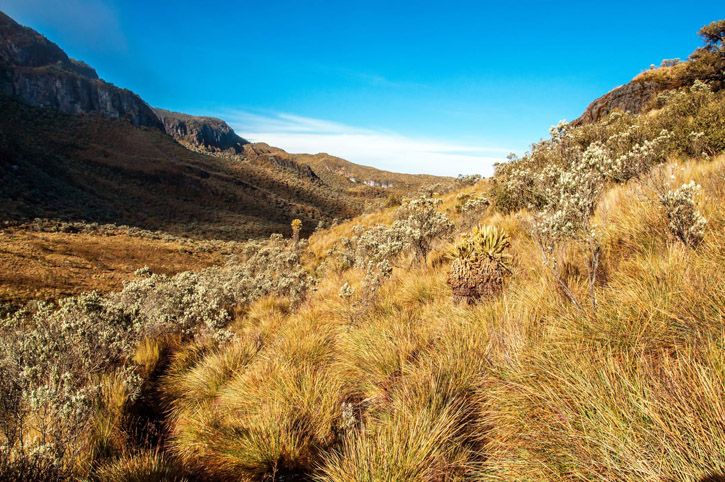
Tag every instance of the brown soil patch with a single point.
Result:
(48, 266)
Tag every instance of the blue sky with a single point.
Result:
(434, 87)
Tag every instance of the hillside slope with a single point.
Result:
(77, 148)
(578, 334)
(354, 179)
(95, 169)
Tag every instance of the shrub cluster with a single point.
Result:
(468, 179)
(48, 360)
(690, 122)
(422, 225)
(51, 357)
(471, 207)
(378, 249)
(685, 221)
(418, 227)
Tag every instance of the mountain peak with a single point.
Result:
(24, 47)
(36, 71)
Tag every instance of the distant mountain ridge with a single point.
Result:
(124, 162)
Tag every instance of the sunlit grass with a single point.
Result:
(524, 387)
(416, 387)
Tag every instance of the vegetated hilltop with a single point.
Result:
(354, 179)
(76, 148)
(576, 335)
(705, 64)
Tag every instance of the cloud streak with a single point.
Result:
(382, 149)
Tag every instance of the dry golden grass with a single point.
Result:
(416, 387)
(145, 466)
(49, 266)
(634, 390)
(525, 387)
(669, 77)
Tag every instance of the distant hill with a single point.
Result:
(77, 148)
(96, 169)
(351, 178)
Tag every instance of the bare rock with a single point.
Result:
(631, 97)
(36, 71)
(207, 133)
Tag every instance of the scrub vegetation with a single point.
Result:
(562, 320)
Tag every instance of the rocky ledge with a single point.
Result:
(631, 97)
(207, 133)
(36, 71)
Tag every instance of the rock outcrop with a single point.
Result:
(207, 133)
(264, 154)
(631, 97)
(36, 71)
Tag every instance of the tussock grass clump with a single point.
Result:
(260, 424)
(412, 446)
(146, 466)
(419, 408)
(609, 415)
(198, 373)
(254, 413)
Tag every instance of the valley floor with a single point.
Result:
(47, 266)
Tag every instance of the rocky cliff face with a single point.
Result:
(631, 97)
(201, 132)
(37, 72)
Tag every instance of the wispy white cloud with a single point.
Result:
(381, 149)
